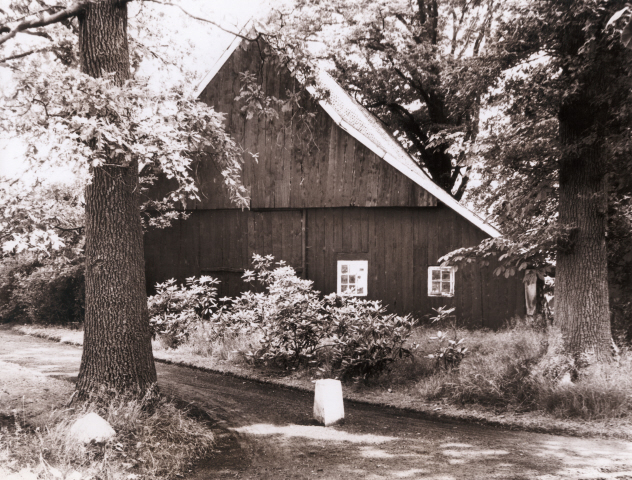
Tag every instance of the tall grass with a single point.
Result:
(160, 442)
(602, 392)
(520, 368)
(230, 348)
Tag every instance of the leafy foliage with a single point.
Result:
(294, 325)
(176, 309)
(366, 340)
(69, 118)
(566, 66)
(449, 352)
(45, 220)
(42, 291)
(448, 355)
(289, 313)
(421, 67)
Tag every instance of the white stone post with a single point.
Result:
(328, 406)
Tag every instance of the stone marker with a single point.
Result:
(328, 407)
(91, 427)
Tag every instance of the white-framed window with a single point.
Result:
(440, 281)
(352, 277)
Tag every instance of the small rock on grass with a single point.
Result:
(91, 428)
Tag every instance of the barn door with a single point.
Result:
(223, 249)
(229, 238)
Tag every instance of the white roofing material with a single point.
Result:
(368, 130)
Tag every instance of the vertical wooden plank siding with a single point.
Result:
(298, 167)
(399, 244)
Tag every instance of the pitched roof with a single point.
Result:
(358, 122)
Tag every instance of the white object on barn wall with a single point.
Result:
(530, 290)
(328, 405)
(91, 427)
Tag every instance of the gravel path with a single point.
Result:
(266, 432)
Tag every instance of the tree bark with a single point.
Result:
(581, 283)
(117, 341)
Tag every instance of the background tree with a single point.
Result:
(115, 127)
(421, 67)
(557, 170)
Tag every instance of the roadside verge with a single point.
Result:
(403, 398)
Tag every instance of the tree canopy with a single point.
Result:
(67, 119)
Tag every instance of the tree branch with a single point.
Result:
(43, 21)
(68, 229)
(39, 34)
(483, 31)
(24, 54)
(32, 14)
(204, 20)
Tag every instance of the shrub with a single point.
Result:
(356, 337)
(293, 325)
(176, 309)
(42, 292)
(450, 352)
(365, 338)
(12, 271)
(289, 314)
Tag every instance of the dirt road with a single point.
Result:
(266, 432)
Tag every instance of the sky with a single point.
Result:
(200, 42)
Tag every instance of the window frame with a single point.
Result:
(441, 281)
(359, 263)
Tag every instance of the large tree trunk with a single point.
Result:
(117, 342)
(581, 279)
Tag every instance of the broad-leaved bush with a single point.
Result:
(294, 325)
(42, 291)
(366, 339)
(176, 309)
(449, 352)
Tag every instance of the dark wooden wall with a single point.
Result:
(300, 164)
(399, 243)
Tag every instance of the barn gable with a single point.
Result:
(355, 161)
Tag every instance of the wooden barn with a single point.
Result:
(335, 196)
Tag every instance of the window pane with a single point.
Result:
(436, 287)
(344, 269)
(352, 279)
(344, 279)
(360, 291)
(343, 288)
(445, 275)
(436, 275)
(445, 287)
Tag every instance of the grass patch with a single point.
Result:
(160, 442)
